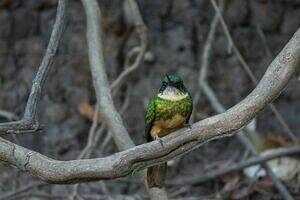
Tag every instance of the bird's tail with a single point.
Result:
(156, 175)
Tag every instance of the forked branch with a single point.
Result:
(29, 122)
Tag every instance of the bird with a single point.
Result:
(168, 110)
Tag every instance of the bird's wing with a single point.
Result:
(150, 117)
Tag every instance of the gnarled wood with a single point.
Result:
(121, 164)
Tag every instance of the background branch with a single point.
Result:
(280, 152)
(218, 107)
(20, 191)
(29, 122)
(143, 34)
(93, 139)
(103, 93)
(8, 115)
(181, 142)
(250, 73)
(107, 109)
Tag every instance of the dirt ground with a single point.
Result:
(178, 30)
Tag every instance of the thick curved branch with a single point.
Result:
(218, 107)
(250, 73)
(29, 122)
(181, 142)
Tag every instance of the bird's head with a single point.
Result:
(172, 87)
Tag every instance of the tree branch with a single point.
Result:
(8, 115)
(280, 152)
(206, 89)
(180, 142)
(143, 34)
(102, 89)
(29, 122)
(93, 138)
(250, 73)
(103, 92)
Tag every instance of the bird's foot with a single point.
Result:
(189, 126)
(159, 140)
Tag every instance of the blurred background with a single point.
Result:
(178, 30)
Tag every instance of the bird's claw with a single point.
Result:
(189, 126)
(160, 141)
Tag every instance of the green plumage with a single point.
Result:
(161, 109)
(169, 110)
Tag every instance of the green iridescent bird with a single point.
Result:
(169, 110)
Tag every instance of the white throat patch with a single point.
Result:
(172, 94)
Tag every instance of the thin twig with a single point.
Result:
(207, 49)
(29, 122)
(8, 115)
(92, 134)
(93, 139)
(280, 152)
(261, 34)
(85, 153)
(250, 73)
(99, 133)
(74, 193)
(143, 34)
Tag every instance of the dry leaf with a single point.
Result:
(277, 140)
(87, 111)
(7, 2)
(231, 181)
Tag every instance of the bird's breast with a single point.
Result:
(163, 127)
(174, 122)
